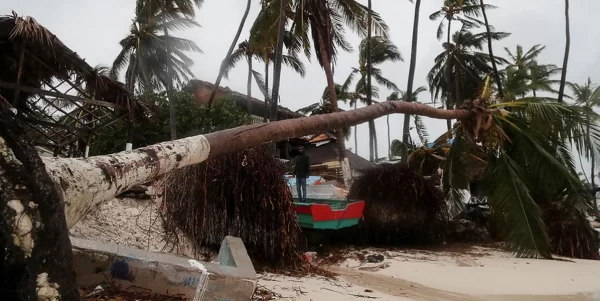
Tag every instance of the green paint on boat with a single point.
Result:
(306, 221)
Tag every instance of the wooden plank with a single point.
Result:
(58, 125)
(60, 95)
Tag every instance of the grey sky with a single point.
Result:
(94, 28)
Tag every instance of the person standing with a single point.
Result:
(302, 172)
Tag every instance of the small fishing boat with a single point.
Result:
(326, 207)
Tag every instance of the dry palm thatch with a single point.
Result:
(401, 207)
(45, 58)
(243, 194)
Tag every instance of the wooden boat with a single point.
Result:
(326, 207)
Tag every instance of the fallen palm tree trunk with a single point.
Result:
(86, 183)
(38, 196)
(243, 194)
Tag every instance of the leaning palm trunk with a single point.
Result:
(489, 37)
(278, 60)
(86, 183)
(563, 77)
(355, 136)
(249, 83)
(169, 84)
(411, 78)
(266, 112)
(228, 56)
(42, 198)
(342, 157)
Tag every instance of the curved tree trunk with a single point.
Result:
(169, 84)
(489, 37)
(278, 59)
(449, 97)
(563, 77)
(372, 150)
(34, 241)
(355, 136)
(266, 112)
(339, 135)
(86, 183)
(411, 79)
(249, 83)
(233, 43)
(389, 138)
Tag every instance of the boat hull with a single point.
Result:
(329, 214)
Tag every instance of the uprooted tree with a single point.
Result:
(42, 199)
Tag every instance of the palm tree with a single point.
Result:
(254, 50)
(464, 11)
(491, 51)
(563, 77)
(524, 60)
(411, 77)
(525, 75)
(382, 50)
(588, 96)
(226, 60)
(520, 141)
(185, 8)
(459, 71)
(144, 52)
(322, 22)
(406, 140)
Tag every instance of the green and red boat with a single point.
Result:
(326, 207)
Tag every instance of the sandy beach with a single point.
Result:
(457, 274)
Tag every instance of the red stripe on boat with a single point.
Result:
(323, 212)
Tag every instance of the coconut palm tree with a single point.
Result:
(525, 75)
(563, 76)
(144, 52)
(524, 60)
(460, 70)
(382, 50)
(176, 8)
(588, 96)
(463, 11)
(254, 50)
(320, 24)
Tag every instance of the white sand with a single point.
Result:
(468, 275)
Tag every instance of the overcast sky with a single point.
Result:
(94, 28)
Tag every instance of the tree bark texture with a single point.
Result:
(35, 250)
(86, 183)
